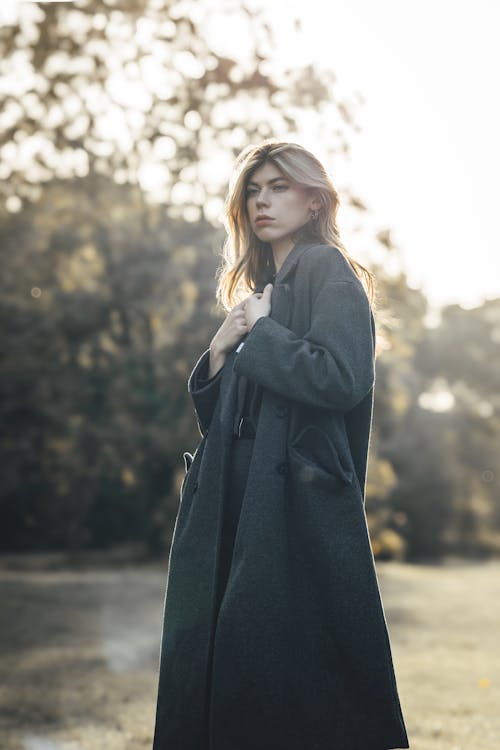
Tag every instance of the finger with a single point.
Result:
(240, 308)
(241, 305)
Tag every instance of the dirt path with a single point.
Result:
(79, 655)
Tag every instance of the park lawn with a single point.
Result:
(79, 654)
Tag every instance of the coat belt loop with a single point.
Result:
(240, 402)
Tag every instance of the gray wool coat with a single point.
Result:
(297, 656)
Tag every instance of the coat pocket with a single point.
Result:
(314, 454)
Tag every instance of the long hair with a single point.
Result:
(245, 258)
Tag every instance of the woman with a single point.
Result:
(274, 634)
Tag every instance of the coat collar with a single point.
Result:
(281, 302)
(291, 259)
(287, 266)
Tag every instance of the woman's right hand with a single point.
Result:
(233, 328)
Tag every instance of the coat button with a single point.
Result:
(281, 410)
(282, 468)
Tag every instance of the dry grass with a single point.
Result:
(79, 653)
(444, 627)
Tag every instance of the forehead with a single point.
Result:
(264, 173)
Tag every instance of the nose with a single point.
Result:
(261, 199)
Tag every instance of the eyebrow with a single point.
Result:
(275, 179)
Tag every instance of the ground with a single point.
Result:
(79, 653)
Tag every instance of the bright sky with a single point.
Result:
(427, 161)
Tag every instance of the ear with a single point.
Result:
(315, 202)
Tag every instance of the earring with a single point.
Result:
(314, 214)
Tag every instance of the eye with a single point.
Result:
(251, 191)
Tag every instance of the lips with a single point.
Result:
(263, 219)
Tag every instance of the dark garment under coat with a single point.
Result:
(250, 397)
(296, 655)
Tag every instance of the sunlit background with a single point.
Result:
(119, 125)
(423, 79)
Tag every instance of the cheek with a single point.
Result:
(293, 201)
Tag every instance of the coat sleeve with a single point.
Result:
(204, 391)
(332, 366)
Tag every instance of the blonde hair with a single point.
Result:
(245, 258)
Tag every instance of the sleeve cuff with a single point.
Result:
(199, 380)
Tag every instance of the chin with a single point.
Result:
(270, 231)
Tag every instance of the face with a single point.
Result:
(287, 203)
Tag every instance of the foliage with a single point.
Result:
(118, 128)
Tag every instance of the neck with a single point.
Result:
(280, 250)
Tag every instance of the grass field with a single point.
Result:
(79, 655)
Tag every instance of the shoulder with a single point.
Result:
(333, 286)
(326, 264)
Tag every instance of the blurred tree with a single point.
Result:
(148, 94)
(119, 127)
(437, 423)
(460, 359)
(99, 320)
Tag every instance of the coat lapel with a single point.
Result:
(281, 309)
(281, 297)
(291, 260)
(281, 303)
